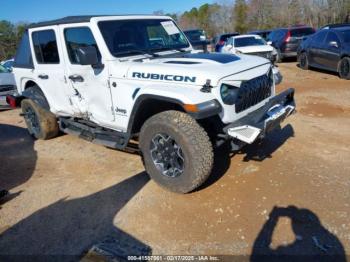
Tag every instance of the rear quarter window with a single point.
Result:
(346, 36)
(23, 57)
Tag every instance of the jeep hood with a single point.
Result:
(196, 69)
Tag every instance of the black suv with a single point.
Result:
(198, 38)
(328, 49)
(287, 40)
(219, 41)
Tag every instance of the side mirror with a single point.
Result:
(87, 55)
(333, 44)
(269, 42)
(229, 47)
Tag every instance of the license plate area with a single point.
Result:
(276, 115)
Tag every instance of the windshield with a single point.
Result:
(249, 41)
(3, 69)
(126, 37)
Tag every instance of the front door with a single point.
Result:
(93, 95)
(330, 53)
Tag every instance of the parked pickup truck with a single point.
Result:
(134, 82)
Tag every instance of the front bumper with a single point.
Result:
(260, 122)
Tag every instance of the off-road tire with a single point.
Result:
(303, 61)
(47, 122)
(195, 145)
(344, 74)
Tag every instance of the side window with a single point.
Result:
(281, 34)
(332, 37)
(79, 37)
(318, 39)
(271, 36)
(45, 47)
(23, 57)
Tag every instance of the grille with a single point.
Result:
(5, 88)
(254, 91)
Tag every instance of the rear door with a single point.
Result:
(330, 51)
(49, 71)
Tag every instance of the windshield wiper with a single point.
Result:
(136, 51)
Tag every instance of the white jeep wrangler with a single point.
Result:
(134, 82)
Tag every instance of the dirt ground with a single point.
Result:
(289, 194)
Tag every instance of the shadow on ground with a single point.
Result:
(17, 157)
(313, 242)
(71, 227)
(222, 161)
(265, 148)
(325, 72)
(258, 151)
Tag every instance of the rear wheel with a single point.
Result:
(176, 151)
(303, 61)
(344, 68)
(41, 123)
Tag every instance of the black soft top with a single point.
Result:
(71, 20)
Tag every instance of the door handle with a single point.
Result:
(76, 78)
(43, 76)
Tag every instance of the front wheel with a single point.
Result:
(303, 61)
(344, 68)
(176, 150)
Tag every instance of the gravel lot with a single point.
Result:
(289, 194)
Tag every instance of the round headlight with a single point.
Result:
(228, 94)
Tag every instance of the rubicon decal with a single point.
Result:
(176, 78)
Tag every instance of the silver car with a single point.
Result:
(7, 86)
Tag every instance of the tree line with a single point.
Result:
(246, 15)
(10, 35)
(228, 16)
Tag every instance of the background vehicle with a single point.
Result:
(219, 41)
(8, 64)
(126, 89)
(328, 49)
(262, 33)
(250, 45)
(7, 86)
(287, 40)
(197, 38)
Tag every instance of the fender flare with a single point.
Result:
(204, 112)
(36, 94)
(145, 97)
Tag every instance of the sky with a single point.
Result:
(40, 10)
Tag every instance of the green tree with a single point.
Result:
(10, 35)
(240, 11)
